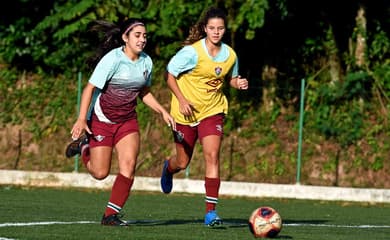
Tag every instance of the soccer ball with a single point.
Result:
(265, 222)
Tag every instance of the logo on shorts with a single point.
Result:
(99, 138)
(179, 136)
(219, 127)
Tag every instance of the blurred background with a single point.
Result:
(317, 111)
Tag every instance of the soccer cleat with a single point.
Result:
(113, 220)
(211, 219)
(74, 147)
(166, 179)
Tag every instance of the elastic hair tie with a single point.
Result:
(133, 25)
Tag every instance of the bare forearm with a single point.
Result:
(152, 102)
(85, 101)
(172, 84)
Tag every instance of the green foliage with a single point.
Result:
(336, 118)
(380, 63)
(144, 114)
(43, 105)
(70, 11)
(59, 40)
(238, 112)
(338, 109)
(17, 43)
(248, 13)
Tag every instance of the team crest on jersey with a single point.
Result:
(218, 70)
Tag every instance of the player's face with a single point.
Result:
(215, 29)
(136, 39)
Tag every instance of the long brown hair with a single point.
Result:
(110, 36)
(197, 30)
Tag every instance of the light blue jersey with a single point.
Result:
(118, 82)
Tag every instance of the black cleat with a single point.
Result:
(113, 220)
(74, 147)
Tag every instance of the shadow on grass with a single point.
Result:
(227, 223)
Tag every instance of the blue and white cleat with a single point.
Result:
(166, 179)
(211, 219)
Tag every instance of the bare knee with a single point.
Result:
(99, 175)
(212, 157)
(100, 162)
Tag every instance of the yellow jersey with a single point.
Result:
(202, 86)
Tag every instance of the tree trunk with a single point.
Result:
(361, 45)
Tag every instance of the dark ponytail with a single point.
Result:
(110, 36)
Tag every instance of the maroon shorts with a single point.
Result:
(106, 134)
(187, 135)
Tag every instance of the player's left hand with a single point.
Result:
(170, 121)
(242, 83)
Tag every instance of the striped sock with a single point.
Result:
(119, 194)
(212, 191)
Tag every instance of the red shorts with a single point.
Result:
(187, 135)
(106, 134)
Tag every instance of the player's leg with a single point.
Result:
(127, 147)
(211, 145)
(210, 134)
(185, 138)
(97, 154)
(99, 161)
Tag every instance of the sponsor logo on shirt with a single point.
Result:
(214, 83)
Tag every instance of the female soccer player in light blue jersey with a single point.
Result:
(122, 73)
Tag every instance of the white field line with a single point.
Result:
(335, 226)
(227, 223)
(42, 223)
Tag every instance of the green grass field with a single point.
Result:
(46, 213)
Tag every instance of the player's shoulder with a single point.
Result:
(187, 50)
(144, 55)
(229, 49)
(115, 52)
(146, 58)
(227, 46)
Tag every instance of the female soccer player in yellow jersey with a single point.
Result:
(195, 76)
